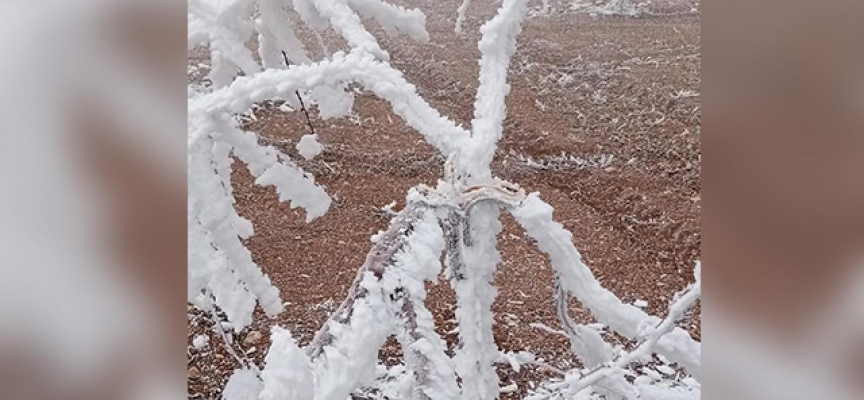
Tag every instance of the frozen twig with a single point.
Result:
(462, 12)
(536, 217)
(496, 47)
(460, 217)
(652, 335)
(376, 76)
(389, 293)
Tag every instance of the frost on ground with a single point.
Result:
(460, 217)
(613, 8)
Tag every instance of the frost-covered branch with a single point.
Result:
(394, 19)
(497, 46)
(586, 343)
(219, 263)
(535, 216)
(462, 12)
(225, 26)
(345, 21)
(475, 293)
(459, 217)
(287, 374)
(276, 36)
(273, 168)
(471, 227)
(388, 293)
(473, 260)
(589, 346)
(374, 75)
(652, 335)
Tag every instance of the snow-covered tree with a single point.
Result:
(458, 218)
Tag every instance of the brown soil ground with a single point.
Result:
(617, 97)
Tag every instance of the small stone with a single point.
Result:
(194, 372)
(219, 356)
(252, 338)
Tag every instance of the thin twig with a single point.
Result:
(226, 341)
(302, 105)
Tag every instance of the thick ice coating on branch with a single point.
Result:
(287, 374)
(308, 147)
(387, 293)
(242, 385)
(586, 343)
(683, 301)
(345, 21)
(460, 216)
(276, 34)
(376, 76)
(310, 15)
(394, 19)
(497, 46)
(221, 270)
(417, 263)
(225, 26)
(472, 268)
(535, 216)
(220, 266)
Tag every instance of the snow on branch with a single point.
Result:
(218, 262)
(276, 35)
(462, 13)
(388, 293)
(225, 26)
(650, 336)
(474, 259)
(310, 15)
(535, 216)
(343, 18)
(271, 167)
(497, 46)
(394, 19)
(221, 270)
(287, 374)
(585, 342)
(376, 76)
(345, 21)
(460, 217)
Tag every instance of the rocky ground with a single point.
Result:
(603, 121)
